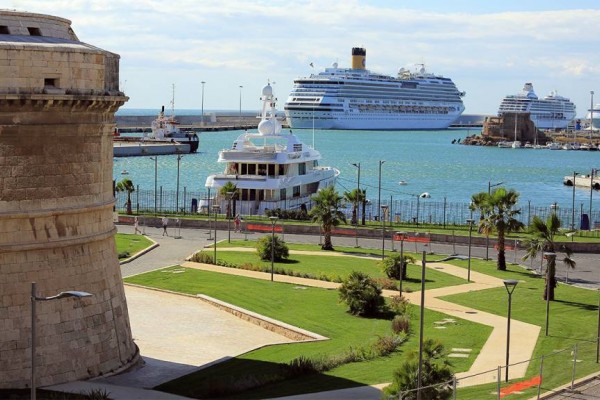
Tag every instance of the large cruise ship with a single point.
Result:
(551, 112)
(356, 98)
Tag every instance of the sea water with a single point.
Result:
(427, 161)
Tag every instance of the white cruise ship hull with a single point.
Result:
(373, 122)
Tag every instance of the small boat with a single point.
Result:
(167, 129)
(504, 144)
(124, 172)
(553, 146)
(516, 144)
(402, 183)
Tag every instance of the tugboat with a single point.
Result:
(166, 129)
(279, 171)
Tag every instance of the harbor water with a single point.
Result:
(424, 161)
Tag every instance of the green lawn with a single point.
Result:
(317, 310)
(131, 243)
(573, 319)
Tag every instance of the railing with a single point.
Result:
(420, 211)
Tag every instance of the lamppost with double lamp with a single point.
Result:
(470, 222)
(384, 209)
(550, 258)
(510, 285)
(229, 212)
(179, 157)
(155, 159)
(423, 195)
(402, 266)
(379, 195)
(273, 222)
(215, 208)
(202, 121)
(35, 298)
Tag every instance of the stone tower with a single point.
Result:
(58, 97)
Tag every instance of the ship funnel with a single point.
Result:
(359, 56)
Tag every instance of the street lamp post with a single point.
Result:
(470, 221)
(179, 157)
(550, 258)
(215, 212)
(573, 203)
(229, 196)
(510, 285)
(422, 317)
(202, 121)
(487, 235)
(384, 209)
(155, 159)
(241, 87)
(34, 299)
(379, 196)
(273, 222)
(402, 266)
(357, 165)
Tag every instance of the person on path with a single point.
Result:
(136, 226)
(237, 222)
(165, 223)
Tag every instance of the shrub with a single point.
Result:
(401, 324)
(392, 265)
(303, 365)
(201, 257)
(386, 345)
(263, 247)
(124, 254)
(399, 305)
(361, 294)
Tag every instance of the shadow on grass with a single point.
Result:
(582, 306)
(252, 379)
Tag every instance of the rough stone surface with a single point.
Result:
(58, 97)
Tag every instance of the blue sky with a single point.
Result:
(489, 48)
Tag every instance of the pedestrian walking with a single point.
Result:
(136, 226)
(165, 223)
(237, 222)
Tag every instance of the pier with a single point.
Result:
(583, 181)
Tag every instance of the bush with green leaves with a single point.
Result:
(401, 324)
(361, 294)
(399, 305)
(392, 265)
(436, 379)
(202, 257)
(280, 249)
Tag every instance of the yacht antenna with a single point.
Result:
(173, 101)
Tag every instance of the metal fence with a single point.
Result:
(421, 211)
(547, 373)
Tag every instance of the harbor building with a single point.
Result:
(58, 97)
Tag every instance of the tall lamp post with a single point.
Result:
(155, 159)
(379, 196)
(215, 212)
(179, 157)
(470, 222)
(510, 285)
(384, 209)
(202, 122)
(229, 212)
(591, 113)
(35, 298)
(573, 203)
(487, 235)
(241, 87)
(402, 266)
(550, 258)
(423, 195)
(357, 165)
(273, 222)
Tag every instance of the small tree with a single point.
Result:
(394, 266)
(326, 212)
(126, 185)
(361, 294)
(263, 247)
(436, 379)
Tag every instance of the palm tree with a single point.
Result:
(126, 185)
(355, 197)
(498, 215)
(229, 187)
(326, 211)
(546, 232)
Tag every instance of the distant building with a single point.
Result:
(58, 97)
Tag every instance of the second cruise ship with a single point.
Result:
(551, 112)
(356, 98)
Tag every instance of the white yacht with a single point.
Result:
(275, 171)
(551, 112)
(356, 98)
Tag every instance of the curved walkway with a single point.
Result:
(492, 354)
